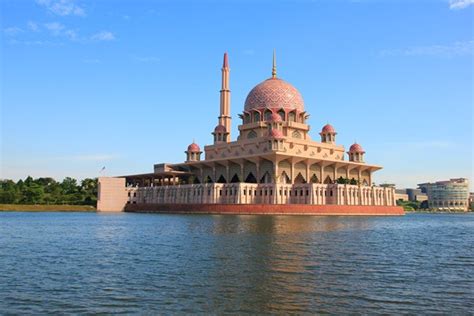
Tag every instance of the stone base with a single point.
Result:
(266, 209)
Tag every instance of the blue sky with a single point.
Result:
(126, 84)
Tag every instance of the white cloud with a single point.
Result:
(55, 28)
(12, 31)
(58, 29)
(103, 36)
(451, 50)
(33, 26)
(62, 7)
(460, 4)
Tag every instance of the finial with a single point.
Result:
(226, 61)
(274, 68)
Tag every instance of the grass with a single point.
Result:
(46, 208)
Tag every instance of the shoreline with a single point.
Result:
(46, 208)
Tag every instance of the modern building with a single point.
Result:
(273, 162)
(452, 195)
(414, 195)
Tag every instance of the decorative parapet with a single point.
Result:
(264, 193)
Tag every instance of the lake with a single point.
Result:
(88, 263)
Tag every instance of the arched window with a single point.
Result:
(292, 116)
(268, 115)
(266, 178)
(251, 135)
(256, 116)
(282, 115)
(246, 118)
(221, 179)
(284, 178)
(299, 178)
(296, 134)
(235, 179)
(314, 179)
(250, 178)
(328, 180)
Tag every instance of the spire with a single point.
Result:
(226, 61)
(274, 68)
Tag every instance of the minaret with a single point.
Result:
(224, 118)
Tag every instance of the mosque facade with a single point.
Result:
(273, 166)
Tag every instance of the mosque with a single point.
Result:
(273, 167)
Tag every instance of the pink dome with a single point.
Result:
(276, 134)
(356, 148)
(328, 128)
(194, 148)
(220, 129)
(274, 93)
(275, 118)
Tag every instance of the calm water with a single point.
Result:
(148, 263)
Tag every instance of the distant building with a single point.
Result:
(416, 195)
(452, 195)
(471, 200)
(401, 194)
(413, 195)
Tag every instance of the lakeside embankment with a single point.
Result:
(46, 208)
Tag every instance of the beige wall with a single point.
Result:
(112, 195)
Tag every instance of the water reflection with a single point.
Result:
(145, 263)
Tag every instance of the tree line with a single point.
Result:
(49, 191)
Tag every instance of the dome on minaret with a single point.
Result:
(356, 148)
(194, 148)
(274, 93)
(328, 128)
(220, 129)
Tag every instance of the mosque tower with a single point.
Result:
(222, 130)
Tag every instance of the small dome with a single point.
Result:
(194, 148)
(356, 148)
(328, 128)
(275, 118)
(274, 93)
(276, 134)
(220, 129)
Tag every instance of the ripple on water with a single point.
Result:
(143, 263)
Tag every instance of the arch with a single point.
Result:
(251, 134)
(284, 178)
(282, 114)
(256, 116)
(365, 182)
(251, 178)
(267, 115)
(314, 179)
(266, 178)
(328, 180)
(208, 180)
(246, 118)
(296, 134)
(235, 179)
(292, 116)
(221, 179)
(196, 180)
(299, 179)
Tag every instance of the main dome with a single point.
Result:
(274, 93)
